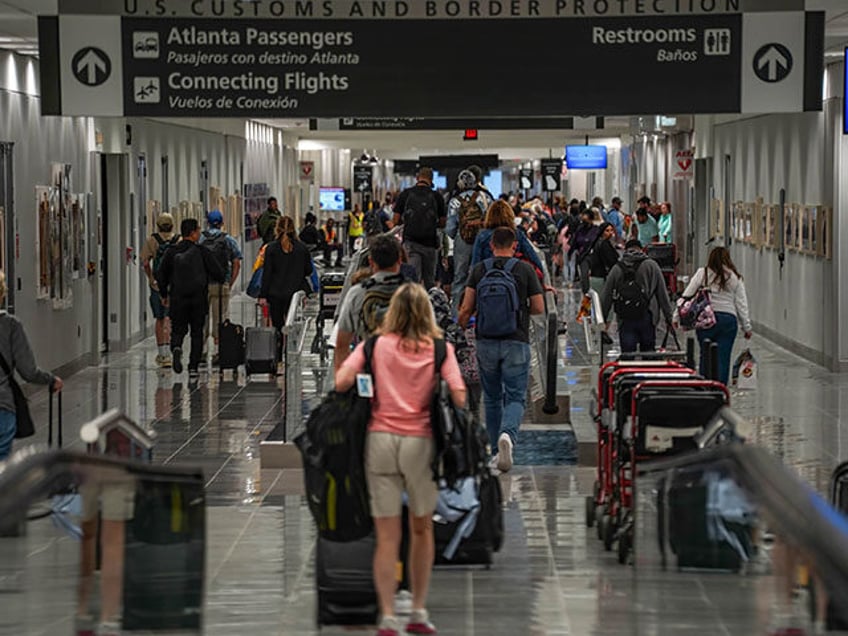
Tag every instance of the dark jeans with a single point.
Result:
(279, 309)
(189, 312)
(423, 259)
(723, 333)
(637, 333)
(328, 252)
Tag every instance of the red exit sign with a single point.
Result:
(470, 134)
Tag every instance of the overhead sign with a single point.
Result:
(525, 178)
(551, 175)
(773, 62)
(362, 179)
(328, 59)
(447, 123)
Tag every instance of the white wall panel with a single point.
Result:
(769, 153)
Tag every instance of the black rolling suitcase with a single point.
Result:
(230, 342)
(330, 295)
(487, 536)
(689, 527)
(344, 582)
(837, 617)
(165, 557)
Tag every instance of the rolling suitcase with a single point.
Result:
(262, 346)
(837, 617)
(164, 558)
(344, 582)
(230, 342)
(487, 537)
(693, 524)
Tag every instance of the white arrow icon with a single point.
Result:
(774, 59)
(90, 62)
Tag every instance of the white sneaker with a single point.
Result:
(403, 602)
(504, 453)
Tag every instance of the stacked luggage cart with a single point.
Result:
(645, 409)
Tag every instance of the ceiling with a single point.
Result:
(18, 32)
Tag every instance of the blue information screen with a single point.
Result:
(586, 157)
(331, 199)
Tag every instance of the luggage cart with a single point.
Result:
(329, 298)
(599, 505)
(665, 418)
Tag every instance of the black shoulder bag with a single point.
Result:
(24, 424)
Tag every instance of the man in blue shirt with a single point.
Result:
(227, 252)
(645, 227)
(614, 216)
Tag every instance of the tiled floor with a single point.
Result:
(551, 578)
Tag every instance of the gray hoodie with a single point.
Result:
(650, 279)
(15, 349)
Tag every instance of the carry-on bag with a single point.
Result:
(459, 545)
(230, 340)
(262, 346)
(698, 533)
(344, 582)
(164, 557)
(836, 618)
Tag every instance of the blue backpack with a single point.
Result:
(497, 301)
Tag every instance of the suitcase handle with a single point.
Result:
(58, 395)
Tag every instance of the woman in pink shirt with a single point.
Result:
(400, 447)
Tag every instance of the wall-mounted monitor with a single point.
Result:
(586, 157)
(331, 199)
(440, 181)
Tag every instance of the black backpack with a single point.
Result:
(333, 448)
(460, 440)
(629, 298)
(188, 277)
(372, 223)
(219, 248)
(420, 217)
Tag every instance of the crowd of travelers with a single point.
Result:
(450, 302)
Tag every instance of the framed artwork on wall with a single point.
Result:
(790, 239)
(44, 215)
(716, 219)
(824, 243)
(771, 225)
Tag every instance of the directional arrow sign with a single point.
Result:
(773, 63)
(91, 66)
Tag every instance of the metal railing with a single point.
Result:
(545, 337)
(294, 341)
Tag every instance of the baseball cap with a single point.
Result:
(165, 222)
(215, 217)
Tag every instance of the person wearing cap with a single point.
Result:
(467, 186)
(151, 257)
(228, 254)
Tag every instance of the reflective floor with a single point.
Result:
(552, 577)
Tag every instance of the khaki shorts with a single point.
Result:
(115, 501)
(216, 291)
(398, 463)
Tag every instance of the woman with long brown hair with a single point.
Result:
(730, 305)
(399, 448)
(287, 264)
(501, 214)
